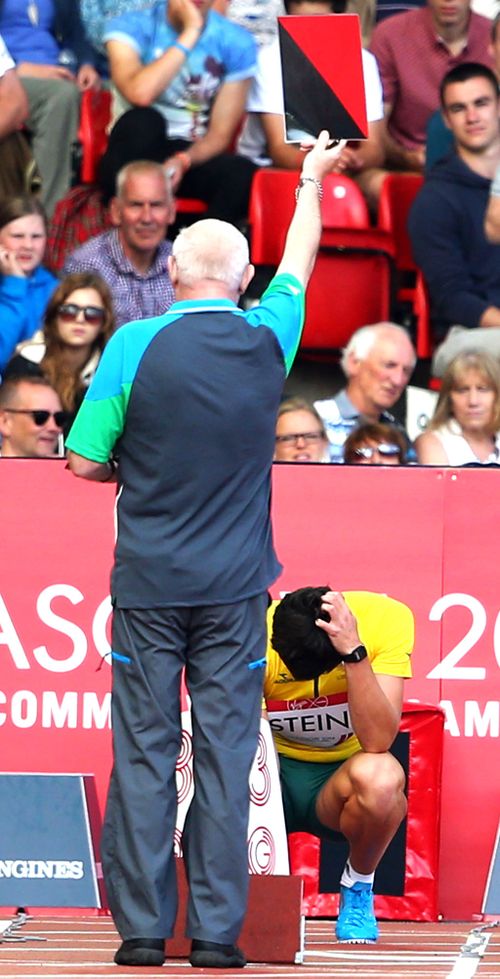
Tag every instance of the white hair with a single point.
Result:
(364, 339)
(137, 168)
(211, 249)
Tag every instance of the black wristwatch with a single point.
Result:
(355, 656)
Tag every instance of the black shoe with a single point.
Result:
(141, 951)
(211, 955)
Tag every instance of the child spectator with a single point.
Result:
(25, 286)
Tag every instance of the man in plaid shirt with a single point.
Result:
(132, 256)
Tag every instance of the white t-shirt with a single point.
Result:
(6, 62)
(266, 95)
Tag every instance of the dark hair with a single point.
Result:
(12, 208)
(9, 387)
(463, 73)
(374, 432)
(66, 381)
(139, 134)
(305, 649)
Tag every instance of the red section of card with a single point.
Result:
(332, 43)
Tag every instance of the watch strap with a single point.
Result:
(356, 655)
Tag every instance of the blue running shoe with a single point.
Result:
(356, 922)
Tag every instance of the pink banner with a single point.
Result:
(429, 537)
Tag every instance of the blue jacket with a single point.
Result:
(69, 32)
(461, 268)
(22, 307)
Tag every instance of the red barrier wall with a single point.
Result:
(429, 537)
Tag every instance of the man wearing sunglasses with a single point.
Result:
(31, 418)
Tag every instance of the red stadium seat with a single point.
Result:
(95, 114)
(272, 201)
(351, 286)
(397, 195)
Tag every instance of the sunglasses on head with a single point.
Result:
(91, 314)
(384, 448)
(40, 416)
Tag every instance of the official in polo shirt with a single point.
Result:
(189, 400)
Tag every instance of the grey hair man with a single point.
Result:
(132, 256)
(378, 362)
(193, 562)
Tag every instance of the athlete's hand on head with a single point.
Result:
(342, 627)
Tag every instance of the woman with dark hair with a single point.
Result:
(375, 443)
(25, 286)
(78, 322)
(465, 427)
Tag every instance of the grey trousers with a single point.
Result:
(218, 646)
(54, 110)
(459, 340)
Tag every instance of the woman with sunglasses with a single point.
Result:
(375, 444)
(465, 427)
(79, 321)
(25, 286)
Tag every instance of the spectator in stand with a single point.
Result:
(55, 63)
(31, 418)
(84, 211)
(195, 67)
(439, 136)
(25, 286)
(132, 257)
(300, 433)
(263, 138)
(446, 222)
(375, 443)
(78, 323)
(414, 50)
(465, 428)
(378, 363)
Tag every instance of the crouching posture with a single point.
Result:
(334, 692)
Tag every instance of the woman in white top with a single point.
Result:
(465, 427)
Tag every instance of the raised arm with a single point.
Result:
(304, 233)
(375, 700)
(225, 116)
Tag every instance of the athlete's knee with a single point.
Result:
(378, 779)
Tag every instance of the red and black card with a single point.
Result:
(322, 70)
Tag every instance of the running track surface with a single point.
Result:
(83, 947)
